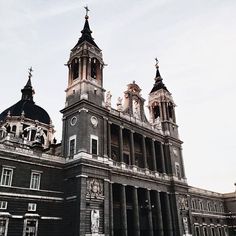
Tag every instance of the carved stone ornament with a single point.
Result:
(73, 120)
(94, 121)
(94, 188)
(183, 202)
(95, 216)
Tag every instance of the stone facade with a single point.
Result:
(115, 173)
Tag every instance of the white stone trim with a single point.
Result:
(50, 218)
(30, 196)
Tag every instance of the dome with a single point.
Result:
(30, 110)
(27, 106)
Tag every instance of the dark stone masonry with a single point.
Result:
(115, 172)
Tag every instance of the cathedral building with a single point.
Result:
(117, 172)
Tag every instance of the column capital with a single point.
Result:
(105, 118)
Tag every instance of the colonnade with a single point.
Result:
(161, 158)
(137, 211)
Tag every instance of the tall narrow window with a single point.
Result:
(6, 179)
(94, 145)
(156, 112)
(197, 231)
(212, 231)
(3, 206)
(75, 68)
(35, 180)
(204, 231)
(30, 227)
(94, 68)
(3, 226)
(72, 146)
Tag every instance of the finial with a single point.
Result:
(87, 10)
(157, 63)
(30, 72)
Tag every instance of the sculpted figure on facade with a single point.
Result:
(95, 216)
(108, 100)
(119, 104)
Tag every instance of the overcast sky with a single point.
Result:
(195, 42)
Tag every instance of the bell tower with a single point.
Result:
(162, 107)
(85, 77)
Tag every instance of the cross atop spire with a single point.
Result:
(86, 32)
(30, 72)
(157, 67)
(87, 10)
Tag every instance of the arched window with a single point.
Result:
(75, 68)
(156, 112)
(13, 128)
(170, 110)
(94, 68)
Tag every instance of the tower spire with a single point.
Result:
(27, 91)
(158, 79)
(86, 32)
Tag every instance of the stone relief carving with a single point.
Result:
(183, 202)
(95, 216)
(94, 188)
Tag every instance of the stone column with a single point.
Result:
(136, 212)
(158, 209)
(162, 159)
(124, 231)
(84, 75)
(81, 205)
(109, 138)
(111, 211)
(80, 69)
(132, 155)
(149, 208)
(121, 144)
(182, 163)
(154, 156)
(144, 152)
(105, 137)
(106, 206)
(169, 227)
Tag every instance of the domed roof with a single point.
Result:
(27, 107)
(30, 110)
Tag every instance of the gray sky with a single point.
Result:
(195, 42)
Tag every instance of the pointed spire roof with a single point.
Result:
(86, 33)
(27, 91)
(158, 80)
